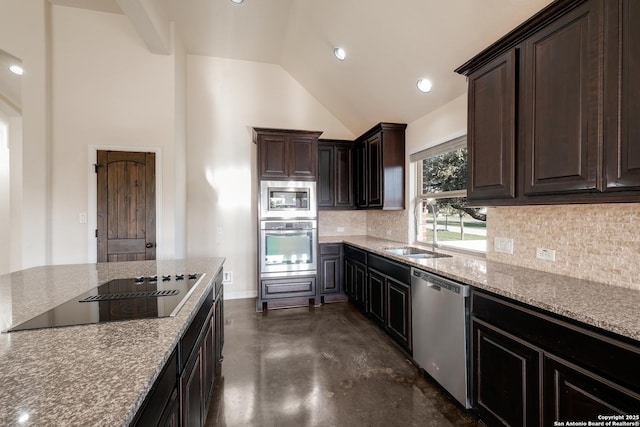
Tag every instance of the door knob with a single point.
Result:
(148, 245)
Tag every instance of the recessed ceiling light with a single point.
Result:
(16, 69)
(340, 53)
(237, 1)
(424, 85)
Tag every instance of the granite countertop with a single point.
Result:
(87, 375)
(612, 308)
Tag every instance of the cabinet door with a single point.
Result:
(399, 312)
(572, 393)
(273, 156)
(208, 363)
(303, 157)
(330, 274)
(349, 278)
(343, 158)
(191, 391)
(361, 175)
(491, 136)
(360, 276)
(377, 297)
(219, 329)
(171, 415)
(326, 176)
(505, 378)
(622, 95)
(560, 104)
(374, 171)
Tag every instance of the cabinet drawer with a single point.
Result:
(399, 272)
(292, 287)
(355, 254)
(330, 248)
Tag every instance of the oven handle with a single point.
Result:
(296, 231)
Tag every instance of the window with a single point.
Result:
(442, 217)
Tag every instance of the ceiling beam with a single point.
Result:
(151, 23)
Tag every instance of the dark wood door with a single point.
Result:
(330, 274)
(491, 129)
(272, 156)
(399, 312)
(303, 157)
(505, 378)
(208, 363)
(360, 280)
(374, 171)
(219, 330)
(349, 278)
(560, 104)
(191, 390)
(377, 297)
(361, 175)
(343, 160)
(572, 393)
(126, 206)
(622, 92)
(171, 415)
(326, 176)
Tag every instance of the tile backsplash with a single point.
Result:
(353, 222)
(594, 242)
(390, 225)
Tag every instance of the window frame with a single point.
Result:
(423, 197)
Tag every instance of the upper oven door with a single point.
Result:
(288, 199)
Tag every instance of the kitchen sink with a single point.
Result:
(417, 253)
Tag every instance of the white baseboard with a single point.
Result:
(240, 294)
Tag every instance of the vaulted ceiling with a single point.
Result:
(389, 44)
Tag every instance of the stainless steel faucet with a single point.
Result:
(434, 206)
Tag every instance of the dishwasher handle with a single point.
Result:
(437, 283)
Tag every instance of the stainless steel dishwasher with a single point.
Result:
(440, 313)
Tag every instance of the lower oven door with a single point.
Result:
(287, 248)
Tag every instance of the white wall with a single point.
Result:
(5, 196)
(108, 91)
(225, 99)
(23, 33)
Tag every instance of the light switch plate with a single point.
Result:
(503, 245)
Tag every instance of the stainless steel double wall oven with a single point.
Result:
(288, 229)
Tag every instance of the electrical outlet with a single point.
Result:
(340, 229)
(82, 218)
(546, 254)
(503, 245)
(220, 229)
(227, 277)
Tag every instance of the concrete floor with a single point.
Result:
(325, 366)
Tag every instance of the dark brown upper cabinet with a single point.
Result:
(491, 115)
(560, 104)
(335, 174)
(286, 154)
(552, 107)
(380, 167)
(622, 95)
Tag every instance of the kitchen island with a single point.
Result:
(89, 375)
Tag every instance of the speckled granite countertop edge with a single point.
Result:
(607, 307)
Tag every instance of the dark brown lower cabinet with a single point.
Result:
(171, 415)
(182, 393)
(330, 275)
(533, 368)
(191, 391)
(574, 393)
(399, 312)
(355, 278)
(506, 378)
(377, 297)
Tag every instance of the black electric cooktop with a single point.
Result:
(120, 299)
